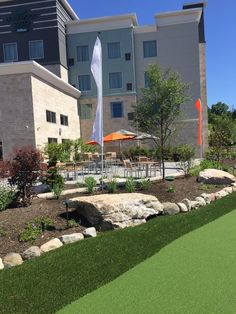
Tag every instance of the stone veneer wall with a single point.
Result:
(110, 124)
(16, 112)
(46, 97)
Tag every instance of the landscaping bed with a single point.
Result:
(13, 220)
(53, 280)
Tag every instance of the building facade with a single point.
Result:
(48, 35)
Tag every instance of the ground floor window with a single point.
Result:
(1, 151)
(52, 140)
(117, 109)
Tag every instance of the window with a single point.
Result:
(130, 115)
(85, 111)
(82, 53)
(115, 80)
(71, 62)
(64, 119)
(113, 50)
(116, 109)
(52, 140)
(127, 56)
(51, 116)
(146, 80)
(129, 86)
(10, 52)
(36, 50)
(84, 82)
(149, 49)
(1, 151)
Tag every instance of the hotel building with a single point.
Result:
(46, 86)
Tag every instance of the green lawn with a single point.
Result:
(194, 274)
(54, 280)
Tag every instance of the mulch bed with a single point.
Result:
(13, 220)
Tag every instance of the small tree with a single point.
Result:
(159, 106)
(186, 154)
(24, 170)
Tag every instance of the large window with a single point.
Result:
(1, 151)
(113, 50)
(10, 52)
(82, 53)
(115, 80)
(84, 82)
(51, 116)
(117, 109)
(149, 49)
(64, 120)
(85, 111)
(36, 50)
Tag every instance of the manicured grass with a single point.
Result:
(194, 274)
(60, 277)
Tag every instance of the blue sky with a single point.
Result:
(220, 24)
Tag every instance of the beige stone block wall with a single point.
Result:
(110, 124)
(16, 112)
(46, 97)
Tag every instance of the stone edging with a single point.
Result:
(14, 259)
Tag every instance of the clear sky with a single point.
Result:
(220, 25)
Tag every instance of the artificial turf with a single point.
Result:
(194, 274)
(50, 282)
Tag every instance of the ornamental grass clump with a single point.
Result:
(90, 184)
(145, 184)
(112, 185)
(130, 185)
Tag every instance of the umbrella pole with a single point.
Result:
(102, 164)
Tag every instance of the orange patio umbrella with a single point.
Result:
(113, 137)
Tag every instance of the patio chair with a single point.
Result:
(130, 168)
(154, 168)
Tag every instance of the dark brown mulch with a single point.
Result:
(13, 220)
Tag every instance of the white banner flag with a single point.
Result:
(96, 69)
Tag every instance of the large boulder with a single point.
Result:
(111, 211)
(12, 259)
(215, 176)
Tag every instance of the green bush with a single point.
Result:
(7, 196)
(54, 179)
(112, 185)
(90, 184)
(170, 189)
(57, 190)
(145, 184)
(130, 185)
(35, 228)
(185, 155)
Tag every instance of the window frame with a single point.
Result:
(117, 54)
(50, 115)
(64, 120)
(112, 109)
(52, 140)
(33, 41)
(110, 80)
(4, 54)
(144, 51)
(77, 55)
(90, 111)
(84, 75)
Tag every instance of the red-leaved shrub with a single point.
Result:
(24, 171)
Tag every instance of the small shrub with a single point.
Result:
(57, 190)
(2, 232)
(90, 184)
(112, 185)
(145, 184)
(72, 223)
(24, 171)
(170, 189)
(34, 228)
(130, 185)
(53, 178)
(185, 154)
(7, 196)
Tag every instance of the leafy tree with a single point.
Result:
(24, 171)
(159, 105)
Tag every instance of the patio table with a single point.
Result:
(148, 165)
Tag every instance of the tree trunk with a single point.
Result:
(162, 154)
